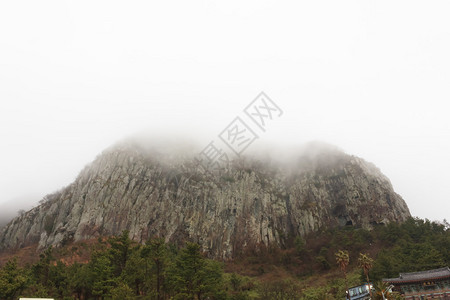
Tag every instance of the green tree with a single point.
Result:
(58, 280)
(407, 257)
(41, 269)
(236, 282)
(342, 260)
(300, 245)
(120, 251)
(366, 263)
(194, 277)
(322, 258)
(121, 292)
(101, 274)
(156, 251)
(136, 274)
(12, 280)
(79, 278)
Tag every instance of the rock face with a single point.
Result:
(252, 202)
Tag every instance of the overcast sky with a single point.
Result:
(371, 77)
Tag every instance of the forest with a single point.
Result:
(319, 266)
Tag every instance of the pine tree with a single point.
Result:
(194, 277)
(12, 280)
(156, 251)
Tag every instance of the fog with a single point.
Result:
(369, 77)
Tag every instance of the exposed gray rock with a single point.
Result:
(253, 202)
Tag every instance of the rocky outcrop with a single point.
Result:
(250, 203)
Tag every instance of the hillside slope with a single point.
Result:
(254, 201)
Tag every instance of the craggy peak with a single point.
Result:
(253, 201)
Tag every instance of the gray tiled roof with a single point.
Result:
(420, 276)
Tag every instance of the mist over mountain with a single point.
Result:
(159, 189)
(10, 209)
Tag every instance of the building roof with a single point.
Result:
(421, 276)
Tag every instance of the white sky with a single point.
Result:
(371, 77)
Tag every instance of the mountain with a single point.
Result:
(14, 207)
(252, 202)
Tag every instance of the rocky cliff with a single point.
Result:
(250, 203)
